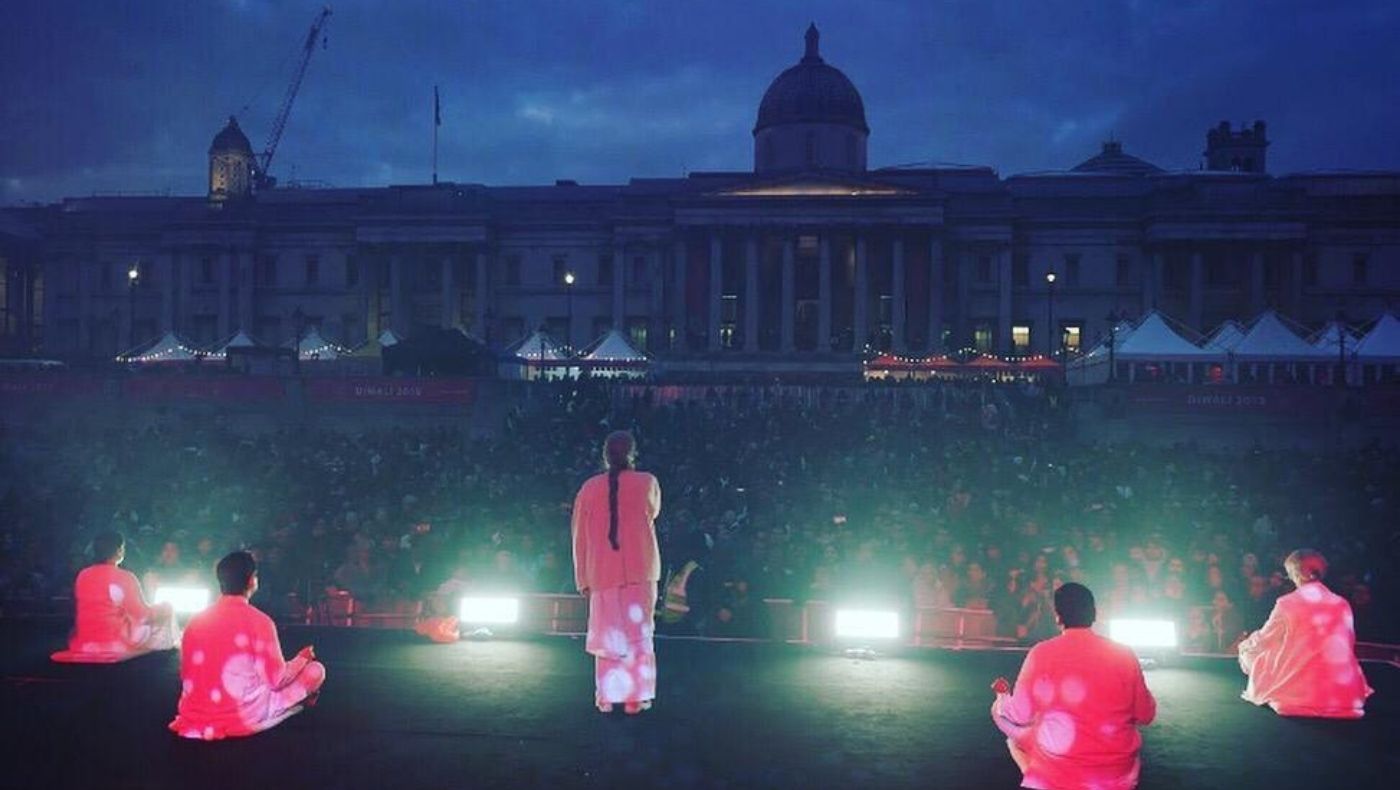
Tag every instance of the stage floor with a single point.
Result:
(399, 713)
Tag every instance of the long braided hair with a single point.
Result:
(619, 453)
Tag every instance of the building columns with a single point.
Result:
(862, 297)
(1195, 312)
(1152, 280)
(678, 307)
(897, 309)
(1295, 284)
(751, 306)
(935, 294)
(824, 296)
(243, 265)
(483, 296)
(225, 264)
(398, 301)
(619, 286)
(656, 316)
(1003, 344)
(716, 285)
(789, 288)
(1257, 298)
(451, 302)
(165, 266)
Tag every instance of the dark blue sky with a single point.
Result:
(100, 96)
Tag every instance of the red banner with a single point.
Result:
(454, 392)
(233, 388)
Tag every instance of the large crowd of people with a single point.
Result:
(961, 495)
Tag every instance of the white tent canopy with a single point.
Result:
(613, 347)
(1382, 343)
(168, 348)
(388, 338)
(315, 347)
(1226, 336)
(538, 347)
(239, 340)
(1269, 339)
(1332, 335)
(1154, 340)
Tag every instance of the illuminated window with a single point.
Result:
(982, 337)
(637, 333)
(1070, 335)
(1021, 338)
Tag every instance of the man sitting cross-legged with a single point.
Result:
(234, 681)
(113, 620)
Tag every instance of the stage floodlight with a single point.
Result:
(184, 600)
(479, 610)
(1160, 634)
(867, 624)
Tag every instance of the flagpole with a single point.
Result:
(437, 121)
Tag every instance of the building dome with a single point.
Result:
(811, 117)
(811, 92)
(1112, 160)
(231, 165)
(231, 140)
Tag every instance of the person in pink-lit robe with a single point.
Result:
(233, 678)
(617, 566)
(1072, 720)
(113, 620)
(1303, 661)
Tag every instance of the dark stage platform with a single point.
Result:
(398, 713)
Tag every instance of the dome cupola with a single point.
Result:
(811, 118)
(231, 164)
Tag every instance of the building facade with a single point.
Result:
(806, 262)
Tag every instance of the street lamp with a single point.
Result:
(1113, 319)
(133, 278)
(1050, 340)
(569, 280)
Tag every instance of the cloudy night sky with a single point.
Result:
(124, 97)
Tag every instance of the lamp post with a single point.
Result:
(133, 278)
(1050, 339)
(569, 280)
(1113, 319)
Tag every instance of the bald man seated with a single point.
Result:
(234, 681)
(112, 620)
(1303, 661)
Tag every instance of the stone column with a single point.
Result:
(824, 296)
(656, 315)
(225, 264)
(962, 329)
(1195, 312)
(789, 310)
(85, 274)
(450, 300)
(1003, 344)
(716, 284)
(165, 265)
(246, 284)
(185, 264)
(1153, 264)
(398, 320)
(483, 295)
(619, 286)
(1295, 285)
(862, 296)
(897, 295)
(935, 293)
(751, 306)
(678, 307)
(1257, 297)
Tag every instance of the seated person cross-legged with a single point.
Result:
(1073, 718)
(233, 678)
(113, 622)
(1303, 661)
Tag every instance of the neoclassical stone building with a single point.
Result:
(803, 263)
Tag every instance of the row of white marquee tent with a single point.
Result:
(1269, 348)
(170, 347)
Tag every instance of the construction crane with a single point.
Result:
(262, 179)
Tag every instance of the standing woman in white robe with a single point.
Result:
(616, 566)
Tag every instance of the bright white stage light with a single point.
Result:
(184, 600)
(489, 611)
(866, 624)
(1143, 633)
